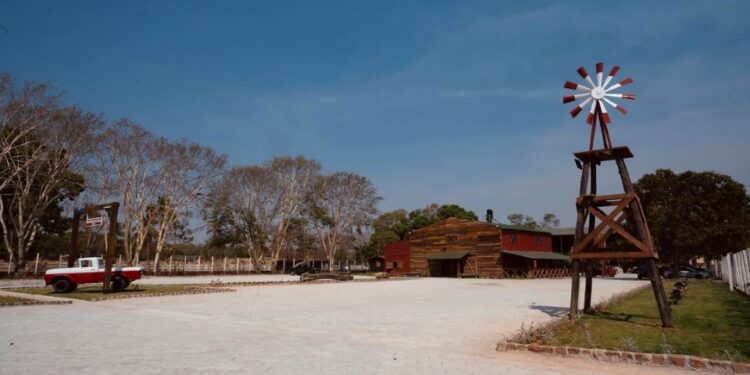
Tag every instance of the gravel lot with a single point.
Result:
(152, 280)
(410, 326)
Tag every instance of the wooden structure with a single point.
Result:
(377, 263)
(396, 256)
(456, 248)
(593, 244)
(624, 207)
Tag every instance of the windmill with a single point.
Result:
(597, 96)
(592, 245)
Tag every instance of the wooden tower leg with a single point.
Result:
(587, 291)
(576, 268)
(574, 289)
(589, 264)
(640, 226)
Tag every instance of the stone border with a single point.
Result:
(35, 302)
(603, 355)
(142, 295)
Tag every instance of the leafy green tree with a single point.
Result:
(453, 210)
(550, 221)
(695, 214)
(395, 225)
(520, 220)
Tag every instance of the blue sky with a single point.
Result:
(448, 102)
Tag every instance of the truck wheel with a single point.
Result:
(62, 286)
(118, 284)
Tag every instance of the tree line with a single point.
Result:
(54, 157)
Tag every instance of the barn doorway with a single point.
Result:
(446, 263)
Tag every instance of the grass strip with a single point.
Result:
(710, 321)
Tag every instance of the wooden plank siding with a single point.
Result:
(483, 242)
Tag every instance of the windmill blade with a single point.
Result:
(622, 96)
(616, 106)
(617, 85)
(605, 115)
(611, 75)
(575, 111)
(599, 73)
(575, 86)
(585, 75)
(590, 117)
(572, 98)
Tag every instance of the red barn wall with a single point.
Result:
(530, 241)
(397, 252)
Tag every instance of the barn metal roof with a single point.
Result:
(544, 255)
(522, 229)
(448, 255)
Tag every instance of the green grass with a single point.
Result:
(88, 293)
(710, 321)
(9, 300)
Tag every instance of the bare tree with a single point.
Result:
(340, 203)
(246, 200)
(258, 204)
(43, 144)
(131, 168)
(293, 178)
(190, 168)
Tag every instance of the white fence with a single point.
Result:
(735, 270)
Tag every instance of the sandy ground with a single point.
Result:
(151, 280)
(412, 326)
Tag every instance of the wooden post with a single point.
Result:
(588, 270)
(73, 251)
(575, 264)
(237, 268)
(225, 265)
(638, 221)
(587, 290)
(574, 290)
(199, 264)
(59, 262)
(10, 263)
(112, 242)
(212, 264)
(36, 264)
(119, 261)
(170, 264)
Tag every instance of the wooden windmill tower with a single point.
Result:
(606, 214)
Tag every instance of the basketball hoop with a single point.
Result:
(92, 222)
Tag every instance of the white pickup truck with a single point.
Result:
(90, 270)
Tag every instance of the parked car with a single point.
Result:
(686, 272)
(643, 272)
(303, 268)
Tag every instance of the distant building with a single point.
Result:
(376, 263)
(562, 239)
(459, 248)
(396, 256)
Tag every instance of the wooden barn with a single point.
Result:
(455, 247)
(465, 248)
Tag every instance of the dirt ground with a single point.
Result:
(412, 326)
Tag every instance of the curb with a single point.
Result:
(199, 291)
(30, 303)
(685, 362)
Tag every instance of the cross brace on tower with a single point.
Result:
(592, 244)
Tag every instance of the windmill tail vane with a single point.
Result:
(596, 96)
